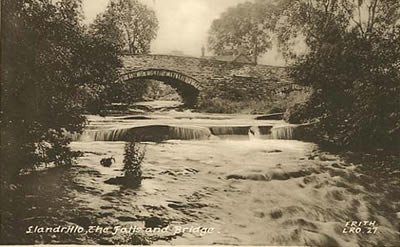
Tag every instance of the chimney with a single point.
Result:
(203, 51)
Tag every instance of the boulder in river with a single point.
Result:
(126, 181)
(274, 116)
(153, 222)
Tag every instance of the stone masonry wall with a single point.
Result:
(222, 79)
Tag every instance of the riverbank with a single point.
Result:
(269, 104)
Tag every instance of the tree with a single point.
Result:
(128, 23)
(352, 61)
(49, 64)
(244, 28)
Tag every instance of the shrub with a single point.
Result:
(133, 158)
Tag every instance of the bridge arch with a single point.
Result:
(187, 87)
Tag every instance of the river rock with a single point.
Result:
(327, 157)
(276, 214)
(126, 218)
(235, 176)
(153, 222)
(82, 221)
(274, 116)
(136, 118)
(336, 165)
(129, 182)
(273, 151)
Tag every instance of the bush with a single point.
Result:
(133, 158)
(306, 110)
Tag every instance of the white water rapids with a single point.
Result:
(184, 126)
(242, 177)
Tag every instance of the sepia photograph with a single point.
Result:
(200, 122)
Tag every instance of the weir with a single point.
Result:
(166, 132)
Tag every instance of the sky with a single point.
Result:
(183, 24)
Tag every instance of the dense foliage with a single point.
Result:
(244, 28)
(350, 56)
(52, 68)
(129, 24)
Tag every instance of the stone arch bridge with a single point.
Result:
(192, 77)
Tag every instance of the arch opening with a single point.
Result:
(186, 86)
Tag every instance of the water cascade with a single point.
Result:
(145, 133)
(167, 132)
(189, 133)
(229, 130)
(283, 132)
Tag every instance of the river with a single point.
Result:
(220, 179)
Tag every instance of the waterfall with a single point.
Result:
(230, 130)
(265, 130)
(283, 132)
(252, 132)
(189, 133)
(145, 133)
(102, 135)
